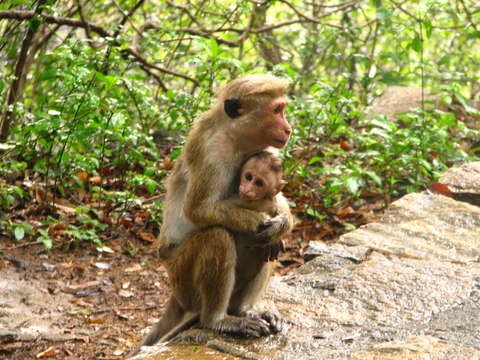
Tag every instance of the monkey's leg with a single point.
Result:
(250, 288)
(214, 277)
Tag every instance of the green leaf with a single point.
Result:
(416, 43)
(214, 48)
(109, 80)
(382, 124)
(391, 78)
(5, 146)
(53, 112)
(379, 132)
(383, 13)
(34, 23)
(151, 187)
(376, 179)
(352, 184)
(428, 27)
(445, 59)
(19, 233)
(473, 35)
(47, 242)
(314, 160)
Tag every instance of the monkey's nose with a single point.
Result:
(288, 131)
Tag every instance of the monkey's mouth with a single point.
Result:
(245, 197)
(280, 142)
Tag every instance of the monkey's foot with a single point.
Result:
(247, 327)
(275, 322)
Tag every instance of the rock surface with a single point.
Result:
(406, 287)
(396, 100)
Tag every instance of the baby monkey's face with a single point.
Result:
(258, 180)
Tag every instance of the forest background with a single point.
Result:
(96, 98)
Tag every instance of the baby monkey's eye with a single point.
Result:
(259, 183)
(248, 177)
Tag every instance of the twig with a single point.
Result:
(127, 16)
(25, 15)
(82, 17)
(469, 15)
(399, 7)
(316, 20)
(21, 245)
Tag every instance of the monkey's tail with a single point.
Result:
(188, 320)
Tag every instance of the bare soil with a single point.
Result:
(110, 299)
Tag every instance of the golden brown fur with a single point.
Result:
(210, 278)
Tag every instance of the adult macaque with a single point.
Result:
(259, 190)
(200, 222)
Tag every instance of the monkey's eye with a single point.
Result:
(259, 183)
(278, 109)
(248, 177)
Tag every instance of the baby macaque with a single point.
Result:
(259, 190)
(260, 183)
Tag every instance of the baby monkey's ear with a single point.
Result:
(281, 185)
(233, 107)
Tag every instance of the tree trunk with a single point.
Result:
(16, 88)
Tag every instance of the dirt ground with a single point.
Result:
(111, 298)
(101, 302)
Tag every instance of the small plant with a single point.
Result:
(45, 238)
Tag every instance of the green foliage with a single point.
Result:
(91, 106)
(45, 239)
(353, 155)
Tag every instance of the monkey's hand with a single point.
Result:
(270, 252)
(272, 228)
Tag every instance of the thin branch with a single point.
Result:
(25, 15)
(144, 61)
(399, 7)
(82, 17)
(207, 34)
(186, 11)
(51, 19)
(127, 16)
(155, 76)
(317, 19)
(469, 15)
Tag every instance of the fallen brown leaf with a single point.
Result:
(134, 267)
(146, 236)
(47, 353)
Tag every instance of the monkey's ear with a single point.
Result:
(232, 107)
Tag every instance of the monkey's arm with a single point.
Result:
(204, 205)
(262, 205)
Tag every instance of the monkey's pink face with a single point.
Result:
(277, 128)
(252, 186)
